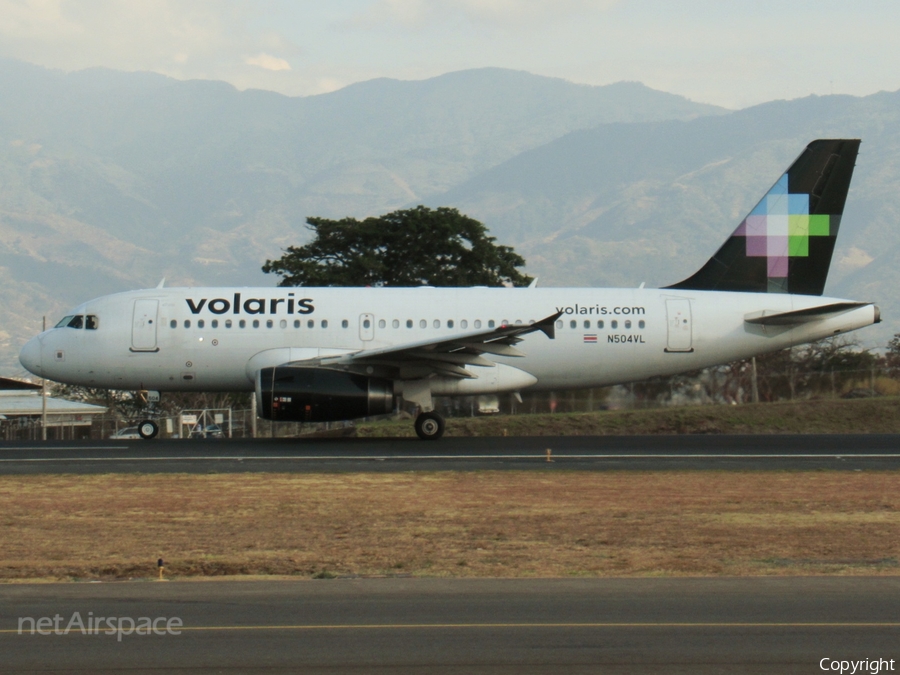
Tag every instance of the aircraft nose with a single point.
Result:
(30, 356)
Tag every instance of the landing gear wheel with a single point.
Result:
(429, 426)
(148, 429)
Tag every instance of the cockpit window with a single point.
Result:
(91, 321)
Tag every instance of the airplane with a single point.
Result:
(325, 354)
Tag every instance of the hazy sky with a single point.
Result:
(730, 52)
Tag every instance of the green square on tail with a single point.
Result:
(819, 226)
(798, 247)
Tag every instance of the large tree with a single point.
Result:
(412, 247)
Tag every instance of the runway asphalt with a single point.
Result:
(698, 626)
(590, 453)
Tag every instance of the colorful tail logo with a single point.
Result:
(785, 244)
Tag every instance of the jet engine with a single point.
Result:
(298, 394)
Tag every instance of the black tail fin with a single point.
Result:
(785, 244)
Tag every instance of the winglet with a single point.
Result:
(548, 326)
(162, 283)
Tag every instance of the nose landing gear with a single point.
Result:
(429, 426)
(148, 429)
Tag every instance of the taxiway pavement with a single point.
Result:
(710, 625)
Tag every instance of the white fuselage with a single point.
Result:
(214, 339)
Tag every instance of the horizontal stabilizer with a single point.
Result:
(803, 315)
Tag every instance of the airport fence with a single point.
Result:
(716, 386)
(733, 384)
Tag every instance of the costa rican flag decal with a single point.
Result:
(590, 338)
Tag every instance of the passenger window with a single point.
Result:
(518, 322)
(600, 324)
(395, 323)
(173, 324)
(381, 323)
(283, 323)
(256, 323)
(463, 324)
(367, 323)
(187, 323)
(214, 323)
(201, 323)
(587, 324)
(345, 324)
(504, 323)
(628, 324)
(423, 323)
(614, 324)
(227, 323)
(449, 323)
(296, 323)
(491, 323)
(324, 323)
(269, 323)
(559, 323)
(91, 322)
(77, 322)
(573, 324)
(437, 323)
(310, 324)
(63, 322)
(641, 324)
(477, 323)
(243, 323)
(409, 323)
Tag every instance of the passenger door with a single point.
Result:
(143, 326)
(678, 314)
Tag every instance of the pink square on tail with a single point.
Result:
(757, 226)
(778, 267)
(776, 247)
(756, 247)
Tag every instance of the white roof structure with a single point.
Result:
(23, 399)
(29, 403)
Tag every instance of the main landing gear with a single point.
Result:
(429, 426)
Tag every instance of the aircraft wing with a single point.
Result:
(444, 355)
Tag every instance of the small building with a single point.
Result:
(21, 411)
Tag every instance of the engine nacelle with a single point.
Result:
(297, 394)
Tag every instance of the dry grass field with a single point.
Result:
(462, 524)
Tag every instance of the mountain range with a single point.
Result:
(111, 181)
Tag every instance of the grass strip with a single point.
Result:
(552, 523)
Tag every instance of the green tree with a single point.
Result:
(892, 356)
(413, 247)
